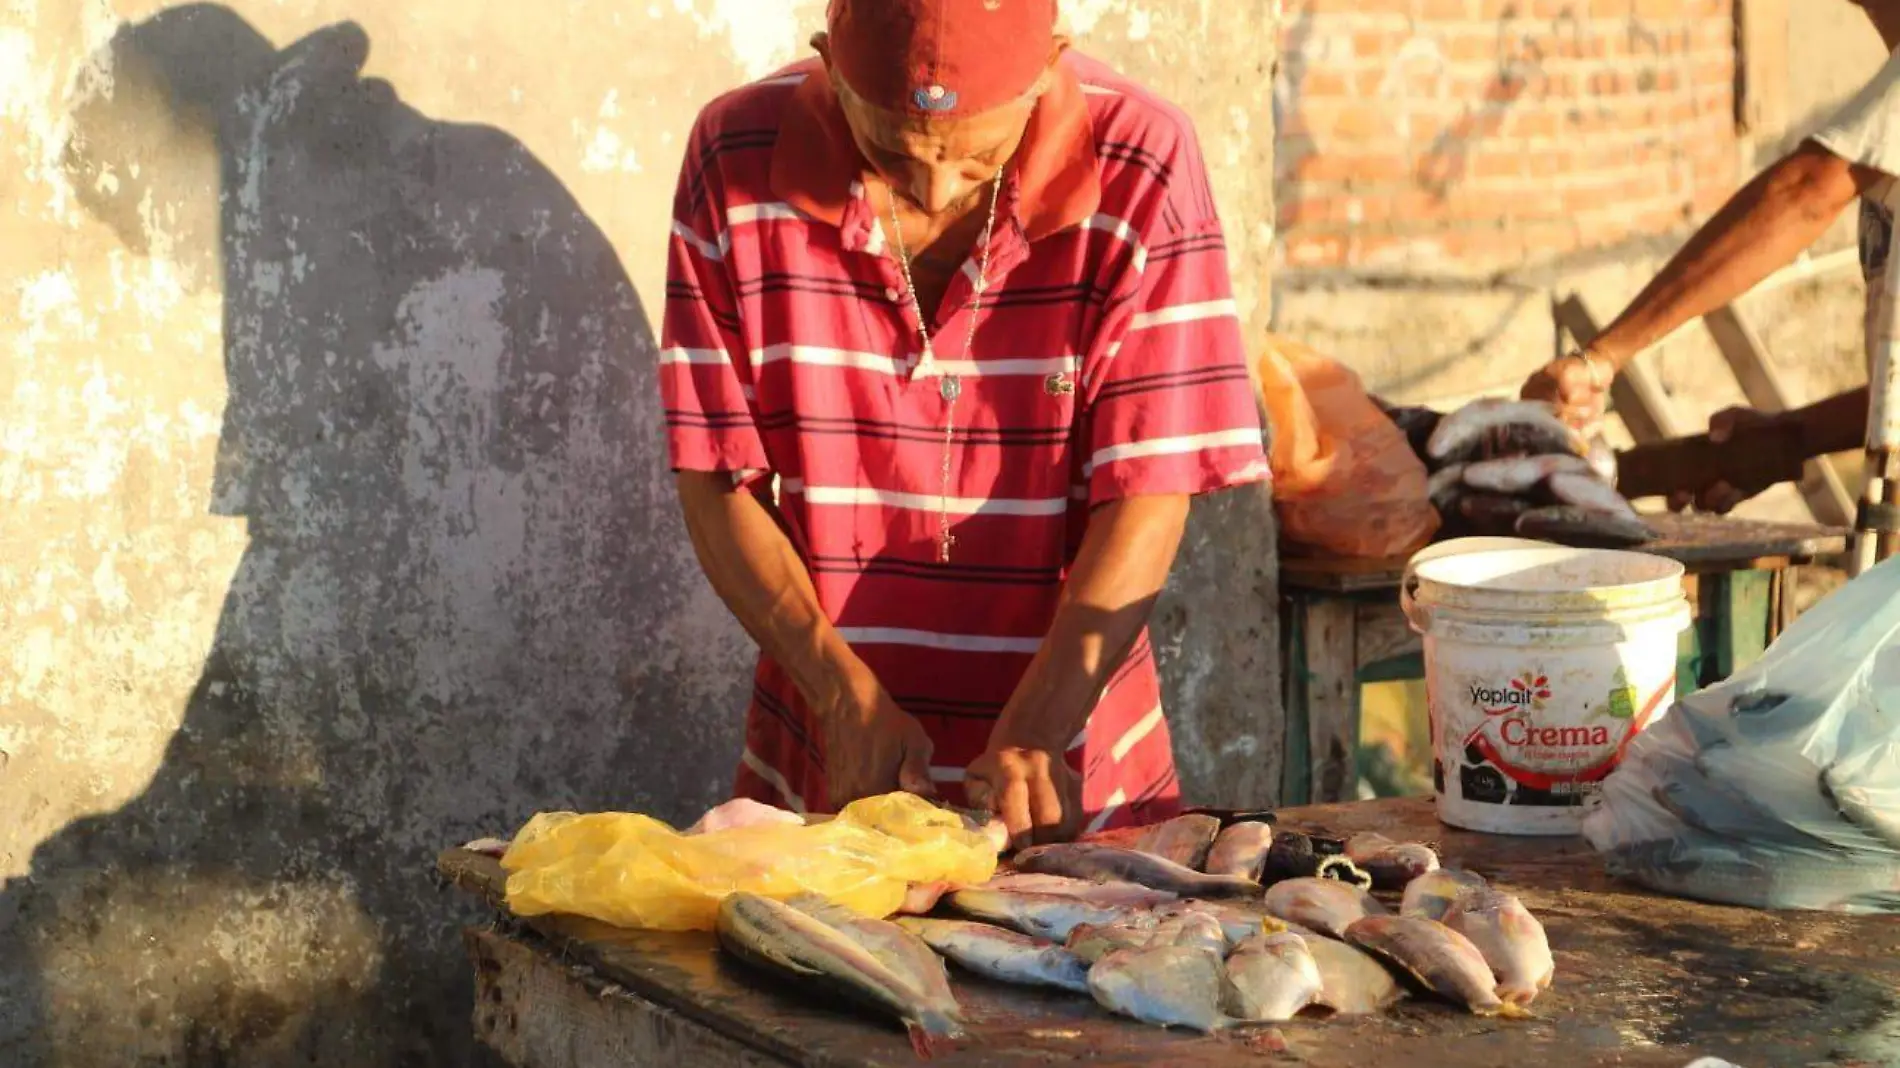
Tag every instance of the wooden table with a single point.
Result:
(1340, 628)
(1642, 981)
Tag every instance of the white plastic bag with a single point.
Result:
(1780, 787)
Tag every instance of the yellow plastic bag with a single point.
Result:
(635, 871)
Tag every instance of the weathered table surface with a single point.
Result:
(1642, 980)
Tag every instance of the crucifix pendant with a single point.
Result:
(944, 541)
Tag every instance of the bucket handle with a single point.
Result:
(1420, 619)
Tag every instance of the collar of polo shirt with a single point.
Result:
(1050, 184)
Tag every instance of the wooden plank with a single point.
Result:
(1332, 698)
(538, 1012)
(1761, 68)
(1383, 635)
(1636, 394)
(1821, 487)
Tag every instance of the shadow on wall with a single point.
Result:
(443, 434)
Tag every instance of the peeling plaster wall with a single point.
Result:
(338, 523)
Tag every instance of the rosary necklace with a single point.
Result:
(949, 386)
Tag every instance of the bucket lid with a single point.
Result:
(1547, 579)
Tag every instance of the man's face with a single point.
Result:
(940, 165)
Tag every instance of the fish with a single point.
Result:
(1511, 940)
(1491, 427)
(1392, 865)
(1295, 855)
(1091, 942)
(1587, 491)
(1190, 928)
(1444, 487)
(1002, 955)
(1489, 511)
(1169, 986)
(1325, 905)
(1113, 894)
(1442, 960)
(1050, 916)
(1183, 839)
(1352, 981)
(1271, 977)
(1520, 474)
(1571, 525)
(1240, 850)
(1090, 860)
(1238, 922)
(776, 938)
(898, 949)
(1430, 895)
(1415, 423)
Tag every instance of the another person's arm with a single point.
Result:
(1837, 424)
(1761, 229)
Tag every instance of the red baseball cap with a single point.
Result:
(941, 58)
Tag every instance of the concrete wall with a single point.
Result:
(338, 528)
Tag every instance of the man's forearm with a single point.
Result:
(1761, 229)
(1109, 595)
(755, 570)
(1837, 424)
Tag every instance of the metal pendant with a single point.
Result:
(951, 387)
(1058, 385)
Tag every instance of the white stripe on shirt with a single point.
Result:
(1115, 801)
(1134, 450)
(1186, 313)
(928, 639)
(928, 502)
(1109, 224)
(740, 214)
(705, 357)
(774, 780)
(701, 245)
(819, 356)
(1143, 728)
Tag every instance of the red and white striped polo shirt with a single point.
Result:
(1107, 362)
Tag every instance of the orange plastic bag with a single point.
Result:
(1345, 481)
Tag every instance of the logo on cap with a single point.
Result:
(935, 98)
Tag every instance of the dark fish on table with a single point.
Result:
(1090, 860)
(1169, 986)
(777, 938)
(1431, 895)
(1300, 856)
(1415, 423)
(1517, 475)
(1392, 865)
(1003, 955)
(1491, 512)
(1324, 905)
(1050, 916)
(1184, 840)
(1112, 894)
(1271, 978)
(1584, 527)
(1510, 938)
(1486, 429)
(1240, 850)
(1442, 960)
(1352, 981)
(1445, 486)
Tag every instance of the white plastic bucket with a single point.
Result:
(1541, 665)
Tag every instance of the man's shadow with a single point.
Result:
(443, 434)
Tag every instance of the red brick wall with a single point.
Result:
(1484, 134)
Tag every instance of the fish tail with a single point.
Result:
(932, 1029)
(1512, 1010)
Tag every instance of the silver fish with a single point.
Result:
(900, 950)
(1442, 960)
(1392, 865)
(1271, 977)
(1049, 916)
(1170, 986)
(1240, 850)
(1092, 943)
(1494, 427)
(775, 937)
(1193, 929)
(1511, 939)
(1444, 487)
(1183, 839)
(1003, 955)
(1238, 922)
(1572, 525)
(1102, 894)
(1352, 981)
(1089, 860)
(1588, 491)
(1520, 474)
(1430, 895)
(1325, 905)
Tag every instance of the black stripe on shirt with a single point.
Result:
(726, 142)
(691, 294)
(882, 430)
(936, 572)
(1187, 246)
(1164, 381)
(931, 706)
(1125, 152)
(785, 282)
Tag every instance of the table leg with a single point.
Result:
(1322, 700)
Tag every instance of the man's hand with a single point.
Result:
(1035, 793)
(1578, 385)
(873, 747)
(1719, 496)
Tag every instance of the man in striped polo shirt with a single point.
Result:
(949, 344)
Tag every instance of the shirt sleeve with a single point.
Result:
(1171, 405)
(1866, 130)
(705, 376)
